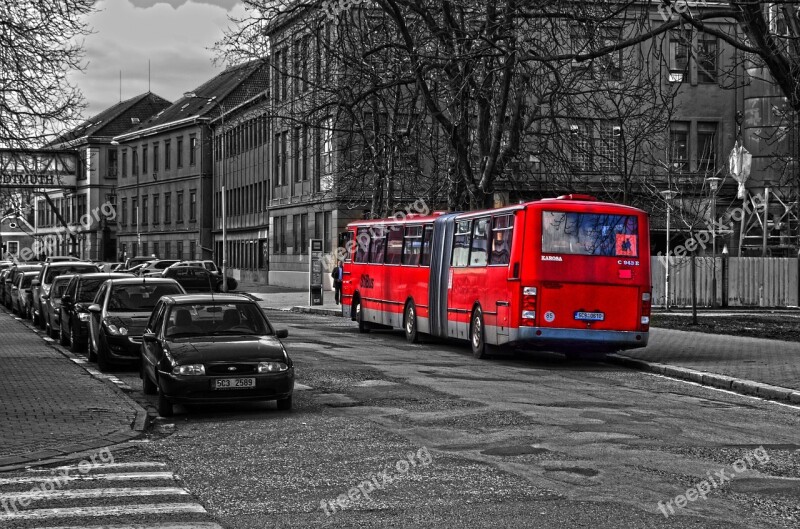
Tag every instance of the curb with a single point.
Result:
(315, 310)
(71, 451)
(737, 385)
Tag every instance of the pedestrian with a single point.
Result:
(336, 275)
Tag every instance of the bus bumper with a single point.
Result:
(557, 339)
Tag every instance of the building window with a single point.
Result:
(156, 249)
(706, 147)
(167, 250)
(168, 207)
(156, 210)
(81, 209)
(680, 42)
(706, 58)
(112, 163)
(581, 145)
(179, 250)
(156, 162)
(135, 162)
(179, 153)
(192, 205)
(167, 156)
(124, 163)
(180, 207)
(679, 146)
(144, 159)
(192, 149)
(609, 148)
(192, 250)
(327, 240)
(326, 169)
(135, 211)
(300, 233)
(145, 201)
(124, 219)
(279, 230)
(284, 75)
(280, 158)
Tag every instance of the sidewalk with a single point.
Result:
(50, 406)
(751, 366)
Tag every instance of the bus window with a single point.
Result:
(589, 234)
(362, 245)
(344, 243)
(412, 245)
(461, 243)
(378, 246)
(394, 245)
(502, 231)
(427, 237)
(480, 242)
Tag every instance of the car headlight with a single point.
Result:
(83, 316)
(272, 367)
(116, 331)
(191, 369)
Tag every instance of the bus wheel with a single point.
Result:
(363, 327)
(410, 323)
(477, 334)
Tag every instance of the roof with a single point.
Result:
(208, 298)
(141, 280)
(109, 275)
(117, 119)
(222, 93)
(67, 264)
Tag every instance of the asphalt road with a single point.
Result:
(423, 435)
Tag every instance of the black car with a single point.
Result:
(74, 311)
(194, 278)
(202, 348)
(119, 314)
(51, 270)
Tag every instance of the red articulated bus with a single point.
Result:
(568, 274)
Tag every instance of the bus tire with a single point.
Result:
(477, 334)
(363, 327)
(410, 323)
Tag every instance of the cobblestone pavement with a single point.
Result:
(51, 406)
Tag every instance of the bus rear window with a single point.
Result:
(590, 234)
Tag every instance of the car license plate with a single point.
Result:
(234, 383)
(590, 316)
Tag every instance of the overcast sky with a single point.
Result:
(173, 34)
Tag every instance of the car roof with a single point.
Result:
(109, 275)
(67, 264)
(140, 280)
(188, 299)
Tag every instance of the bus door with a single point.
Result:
(443, 229)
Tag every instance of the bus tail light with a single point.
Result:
(645, 321)
(528, 306)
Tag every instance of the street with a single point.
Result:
(385, 433)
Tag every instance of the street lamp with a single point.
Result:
(138, 203)
(713, 182)
(668, 196)
(193, 95)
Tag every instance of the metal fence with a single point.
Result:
(740, 281)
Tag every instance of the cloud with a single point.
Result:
(175, 37)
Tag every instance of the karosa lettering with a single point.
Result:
(551, 258)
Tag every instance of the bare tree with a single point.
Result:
(40, 43)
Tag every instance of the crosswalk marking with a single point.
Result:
(106, 510)
(100, 493)
(134, 476)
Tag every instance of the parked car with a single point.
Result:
(156, 266)
(130, 262)
(74, 312)
(201, 348)
(60, 258)
(3, 274)
(11, 277)
(109, 267)
(118, 317)
(194, 279)
(51, 305)
(207, 265)
(20, 294)
(211, 266)
(41, 285)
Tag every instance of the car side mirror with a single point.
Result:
(282, 333)
(35, 283)
(149, 337)
(94, 308)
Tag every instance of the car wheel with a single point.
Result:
(165, 408)
(410, 323)
(477, 334)
(285, 404)
(363, 327)
(75, 344)
(103, 361)
(148, 386)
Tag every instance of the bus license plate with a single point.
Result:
(590, 316)
(234, 383)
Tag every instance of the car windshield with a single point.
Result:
(53, 272)
(139, 297)
(210, 266)
(26, 280)
(217, 319)
(88, 288)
